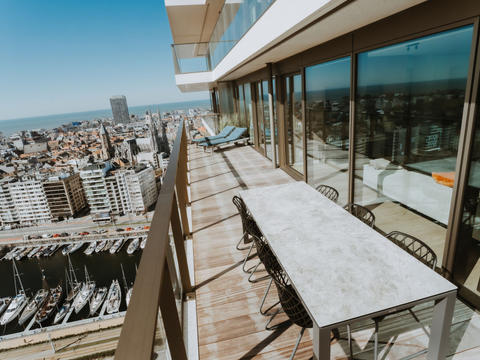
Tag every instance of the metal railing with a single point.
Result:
(153, 288)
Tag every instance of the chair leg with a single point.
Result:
(240, 241)
(297, 343)
(375, 353)
(267, 325)
(250, 279)
(349, 332)
(265, 312)
(246, 259)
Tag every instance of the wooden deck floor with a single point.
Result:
(229, 323)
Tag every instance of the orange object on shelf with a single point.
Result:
(444, 178)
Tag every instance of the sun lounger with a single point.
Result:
(236, 135)
(221, 135)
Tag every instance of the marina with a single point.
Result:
(58, 285)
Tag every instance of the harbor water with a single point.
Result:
(102, 268)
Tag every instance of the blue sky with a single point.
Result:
(60, 56)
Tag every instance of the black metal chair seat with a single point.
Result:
(328, 191)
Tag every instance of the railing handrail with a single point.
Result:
(153, 280)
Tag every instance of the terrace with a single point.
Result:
(228, 322)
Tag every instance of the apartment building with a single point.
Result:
(118, 191)
(29, 200)
(65, 195)
(8, 213)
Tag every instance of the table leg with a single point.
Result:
(321, 343)
(440, 329)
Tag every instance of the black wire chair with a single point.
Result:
(328, 191)
(289, 300)
(271, 264)
(361, 213)
(249, 227)
(421, 252)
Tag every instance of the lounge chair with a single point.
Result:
(222, 134)
(236, 135)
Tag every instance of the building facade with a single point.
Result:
(380, 104)
(65, 196)
(119, 109)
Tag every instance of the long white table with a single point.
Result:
(342, 269)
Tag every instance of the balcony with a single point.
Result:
(225, 304)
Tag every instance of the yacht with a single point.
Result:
(66, 249)
(116, 246)
(128, 296)
(34, 251)
(143, 243)
(109, 245)
(22, 253)
(97, 300)
(76, 246)
(50, 305)
(91, 248)
(4, 302)
(62, 312)
(100, 246)
(32, 307)
(114, 297)
(14, 309)
(85, 293)
(18, 302)
(133, 246)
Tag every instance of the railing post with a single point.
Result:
(180, 247)
(171, 323)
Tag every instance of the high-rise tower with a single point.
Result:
(119, 109)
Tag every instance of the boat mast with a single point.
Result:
(16, 276)
(87, 278)
(71, 270)
(124, 279)
(67, 281)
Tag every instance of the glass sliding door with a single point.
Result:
(241, 107)
(249, 112)
(260, 124)
(275, 120)
(327, 109)
(408, 113)
(266, 120)
(294, 122)
(467, 257)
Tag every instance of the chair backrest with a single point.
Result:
(248, 224)
(236, 134)
(226, 130)
(361, 212)
(267, 257)
(328, 191)
(414, 247)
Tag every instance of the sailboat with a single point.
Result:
(4, 302)
(76, 246)
(133, 246)
(91, 248)
(143, 243)
(36, 303)
(128, 291)
(114, 297)
(50, 305)
(97, 300)
(85, 293)
(18, 302)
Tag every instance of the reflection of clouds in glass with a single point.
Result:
(435, 57)
(330, 75)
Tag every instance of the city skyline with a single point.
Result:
(72, 57)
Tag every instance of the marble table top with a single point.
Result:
(341, 268)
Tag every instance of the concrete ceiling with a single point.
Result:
(192, 21)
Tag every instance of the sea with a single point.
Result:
(8, 127)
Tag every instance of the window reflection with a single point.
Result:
(327, 117)
(266, 120)
(408, 114)
(294, 124)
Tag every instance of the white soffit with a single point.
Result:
(192, 21)
(199, 81)
(285, 17)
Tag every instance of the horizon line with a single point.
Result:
(83, 111)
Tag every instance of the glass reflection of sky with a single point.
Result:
(440, 56)
(330, 75)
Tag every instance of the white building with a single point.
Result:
(30, 201)
(116, 192)
(8, 213)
